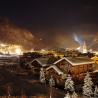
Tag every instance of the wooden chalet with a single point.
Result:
(56, 73)
(37, 64)
(75, 66)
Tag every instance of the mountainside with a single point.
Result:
(12, 34)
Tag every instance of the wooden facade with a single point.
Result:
(76, 71)
(37, 64)
(57, 77)
(36, 68)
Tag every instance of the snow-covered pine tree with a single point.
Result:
(67, 95)
(42, 76)
(69, 84)
(87, 87)
(96, 92)
(51, 81)
(74, 95)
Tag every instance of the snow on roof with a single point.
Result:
(95, 71)
(76, 60)
(41, 61)
(94, 58)
(56, 69)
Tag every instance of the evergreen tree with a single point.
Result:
(87, 87)
(96, 92)
(67, 95)
(9, 91)
(69, 84)
(74, 95)
(42, 76)
(51, 81)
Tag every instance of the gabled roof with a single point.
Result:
(95, 58)
(41, 61)
(56, 69)
(76, 60)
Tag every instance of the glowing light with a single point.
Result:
(84, 48)
(43, 51)
(10, 49)
(78, 48)
(55, 55)
(90, 50)
(96, 52)
(3, 45)
(40, 39)
(32, 50)
(18, 51)
(78, 39)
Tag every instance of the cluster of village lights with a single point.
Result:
(11, 49)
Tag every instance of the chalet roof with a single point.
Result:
(95, 71)
(95, 58)
(45, 61)
(41, 61)
(56, 69)
(76, 60)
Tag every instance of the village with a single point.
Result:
(49, 49)
(72, 72)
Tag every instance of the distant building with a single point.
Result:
(71, 53)
(84, 48)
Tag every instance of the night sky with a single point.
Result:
(57, 23)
